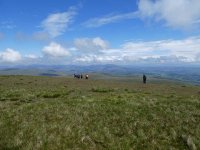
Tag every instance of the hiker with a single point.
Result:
(86, 76)
(81, 76)
(77, 76)
(144, 79)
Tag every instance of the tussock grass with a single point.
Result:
(63, 113)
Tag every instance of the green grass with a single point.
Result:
(65, 113)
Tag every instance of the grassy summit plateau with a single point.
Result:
(99, 113)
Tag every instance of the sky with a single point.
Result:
(83, 32)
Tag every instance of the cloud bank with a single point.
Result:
(97, 50)
(163, 51)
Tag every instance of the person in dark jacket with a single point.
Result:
(144, 79)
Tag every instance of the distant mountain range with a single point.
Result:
(182, 73)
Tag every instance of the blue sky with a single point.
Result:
(99, 31)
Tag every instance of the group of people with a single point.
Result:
(80, 76)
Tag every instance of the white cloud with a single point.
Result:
(31, 56)
(55, 50)
(10, 55)
(90, 44)
(111, 18)
(176, 13)
(57, 23)
(96, 50)
(187, 48)
(103, 58)
(164, 51)
(183, 14)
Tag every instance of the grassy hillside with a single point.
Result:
(111, 113)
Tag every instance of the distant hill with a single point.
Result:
(187, 73)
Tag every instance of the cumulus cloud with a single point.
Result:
(187, 48)
(103, 58)
(97, 50)
(91, 44)
(55, 50)
(10, 56)
(31, 56)
(111, 18)
(57, 23)
(164, 51)
(175, 13)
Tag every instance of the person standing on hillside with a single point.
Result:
(86, 76)
(144, 79)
